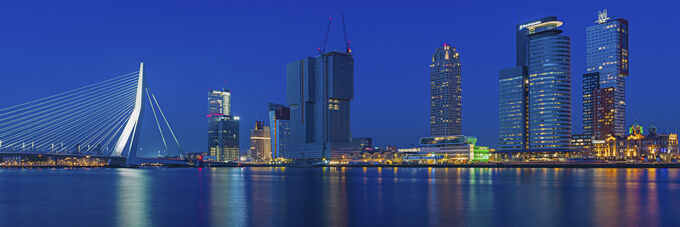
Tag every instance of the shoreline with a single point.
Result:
(489, 165)
(501, 165)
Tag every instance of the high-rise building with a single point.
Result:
(606, 67)
(591, 83)
(260, 142)
(279, 129)
(223, 128)
(319, 91)
(513, 109)
(445, 92)
(549, 88)
(535, 95)
(604, 113)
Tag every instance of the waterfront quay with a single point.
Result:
(21, 160)
(487, 165)
(12, 160)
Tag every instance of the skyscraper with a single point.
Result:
(591, 83)
(223, 128)
(513, 109)
(549, 88)
(603, 110)
(319, 91)
(260, 142)
(606, 57)
(445, 92)
(535, 95)
(279, 129)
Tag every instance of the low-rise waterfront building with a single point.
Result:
(638, 146)
(446, 149)
(581, 142)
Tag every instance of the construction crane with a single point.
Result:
(347, 49)
(322, 49)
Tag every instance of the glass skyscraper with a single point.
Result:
(606, 57)
(445, 92)
(513, 129)
(319, 91)
(535, 95)
(223, 128)
(549, 88)
(279, 129)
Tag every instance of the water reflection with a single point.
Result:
(341, 197)
(133, 198)
(227, 197)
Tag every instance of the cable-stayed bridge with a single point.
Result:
(102, 119)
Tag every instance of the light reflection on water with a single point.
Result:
(133, 198)
(339, 197)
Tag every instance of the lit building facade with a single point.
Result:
(223, 128)
(591, 83)
(549, 88)
(260, 142)
(513, 109)
(604, 113)
(581, 142)
(607, 57)
(535, 95)
(319, 92)
(445, 92)
(279, 129)
(446, 149)
(638, 146)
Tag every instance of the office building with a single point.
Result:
(223, 127)
(604, 114)
(581, 142)
(607, 68)
(591, 83)
(319, 92)
(260, 143)
(279, 129)
(535, 95)
(445, 92)
(513, 109)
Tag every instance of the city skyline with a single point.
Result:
(370, 124)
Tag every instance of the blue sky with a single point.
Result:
(189, 46)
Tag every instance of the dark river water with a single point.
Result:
(339, 197)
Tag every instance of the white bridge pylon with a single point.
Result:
(100, 119)
(129, 138)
